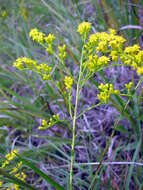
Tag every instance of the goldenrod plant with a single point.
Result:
(99, 51)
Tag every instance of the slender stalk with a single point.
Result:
(78, 90)
(88, 109)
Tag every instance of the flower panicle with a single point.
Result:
(84, 28)
(105, 92)
(52, 121)
(62, 52)
(68, 81)
(37, 36)
(41, 38)
(26, 63)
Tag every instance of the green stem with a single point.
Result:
(74, 120)
(88, 109)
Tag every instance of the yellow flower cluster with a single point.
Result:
(49, 40)
(115, 55)
(37, 36)
(102, 47)
(21, 62)
(9, 157)
(44, 70)
(103, 60)
(14, 171)
(105, 42)
(62, 52)
(22, 176)
(106, 91)
(4, 13)
(68, 82)
(133, 56)
(128, 86)
(84, 28)
(52, 121)
(41, 38)
(91, 63)
(94, 62)
(25, 63)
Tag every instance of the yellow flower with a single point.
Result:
(102, 47)
(112, 31)
(36, 35)
(52, 121)
(62, 52)
(25, 63)
(4, 13)
(44, 71)
(83, 28)
(134, 65)
(132, 50)
(1, 182)
(49, 49)
(113, 43)
(45, 68)
(103, 60)
(114, 55)
(44, 125)
(128, 86)
(49, 39)
(15, 169)
(139, 57)
(68, 82)
(11, 155)
(93, 39)
(106, 91)
(91, 64)
(19, 63)
(140, 70)
(46, 77)
(105, 42)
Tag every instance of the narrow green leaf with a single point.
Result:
(122, 129)
(12, 179)
(41, 173)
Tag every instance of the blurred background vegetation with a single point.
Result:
(25, 99)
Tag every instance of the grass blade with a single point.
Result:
(12, 179)
(41, 173)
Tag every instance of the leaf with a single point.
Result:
(52, 138)
(122, 129)
(41, 173)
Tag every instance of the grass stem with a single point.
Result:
(78, 90)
